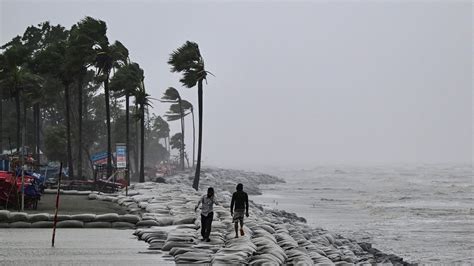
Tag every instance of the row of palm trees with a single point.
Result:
(48, 61)
(46, 53)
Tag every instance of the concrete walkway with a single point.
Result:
(76, 247)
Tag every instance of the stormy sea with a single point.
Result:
(423, 213)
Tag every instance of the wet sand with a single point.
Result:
(76, 247)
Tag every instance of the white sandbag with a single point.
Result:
(4, 215)
(70, 224)
(122, 225)
(42, 224)
(108, 217)
(4, 225)
(92, 196)
(20, 224)
(98, 225)
(38, 217)
(18, 216)
(129, 218)
(185, 220)
(85, 217)
(164, 221)
(147, 223)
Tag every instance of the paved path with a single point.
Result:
(76, 247)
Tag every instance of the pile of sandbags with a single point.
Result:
(44, 220)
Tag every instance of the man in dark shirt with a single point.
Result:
(240, 200)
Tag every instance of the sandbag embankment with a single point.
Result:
(86, 220)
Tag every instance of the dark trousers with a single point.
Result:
(206, 224)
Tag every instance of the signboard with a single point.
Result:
(121, 155)
(99, 158)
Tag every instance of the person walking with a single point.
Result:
(207, 213)
(240, 201)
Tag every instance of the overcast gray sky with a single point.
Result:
(302, 83)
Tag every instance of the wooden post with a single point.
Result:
(57, 204)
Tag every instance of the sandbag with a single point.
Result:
(129, 218)
(60, 217)
(42, 224)
(4, 215)
(147, 223)
(18, 216)
(70, 224)
(98, 225)
(185, 220)
(172, 244)
(38, 217)
(92, 196)
(4, 225)
(85, 217)
(164, 221)
(108, 217)
(20, 224)
(122, 225)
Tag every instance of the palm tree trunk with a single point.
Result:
(24, 130)
(141, 178)
(68, 133)
(18, 120)
(198, 164)
(181, 149)
(127, 138)
(137, 144)
(107, 114)
(194, 137)
(79, 111)
(36, 113)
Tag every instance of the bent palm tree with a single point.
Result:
(126, 82)
(143, 100)
(176, 112)
(108, 57)
(187, 60)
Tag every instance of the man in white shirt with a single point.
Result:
(207, 213)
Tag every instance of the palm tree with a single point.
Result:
(176, 112)
(180, 111)
(143, 100)
(83, 37)
(176, 142)
(126, 82)
(14, 75)
(187, 60)
(162, 128)
(109, 57)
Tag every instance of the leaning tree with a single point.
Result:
(187, 60)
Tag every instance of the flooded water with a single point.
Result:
(75, 247)
(423, 213)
